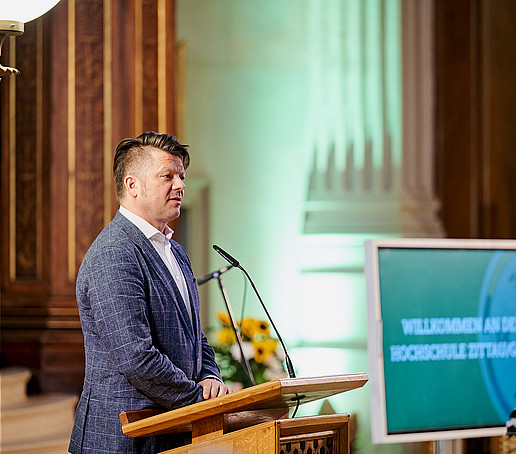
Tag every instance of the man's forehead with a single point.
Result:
(164, 159)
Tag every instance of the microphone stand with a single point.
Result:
(243, 360)
(234, 262)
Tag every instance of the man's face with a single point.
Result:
(161, 191)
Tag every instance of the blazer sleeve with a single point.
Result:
(112, 294)
(210, 368)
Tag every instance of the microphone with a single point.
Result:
(236, 264)
(225, 255)
(215, 274)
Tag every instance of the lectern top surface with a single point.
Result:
(282, 393)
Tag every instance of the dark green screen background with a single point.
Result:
(427, 283)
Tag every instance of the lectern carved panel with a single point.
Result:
(323, 444)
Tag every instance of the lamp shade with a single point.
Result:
(25, 10)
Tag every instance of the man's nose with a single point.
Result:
(179, 184)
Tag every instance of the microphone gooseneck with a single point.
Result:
(236, 264)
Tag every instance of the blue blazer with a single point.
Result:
(141, 348)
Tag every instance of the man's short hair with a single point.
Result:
(131, 154)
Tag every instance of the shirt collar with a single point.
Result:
(147, 229)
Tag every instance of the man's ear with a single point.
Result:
(132, 186)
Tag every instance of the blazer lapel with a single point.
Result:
(154, 260)
(190, 283)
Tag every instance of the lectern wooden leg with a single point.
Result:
(210, 427)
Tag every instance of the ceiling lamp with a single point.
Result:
(13, 16)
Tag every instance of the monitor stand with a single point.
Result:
(448, 447)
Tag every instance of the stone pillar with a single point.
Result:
(419, 205)
(372, 122)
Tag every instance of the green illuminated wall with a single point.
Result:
(293, 116)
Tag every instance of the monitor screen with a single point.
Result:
(442, 337)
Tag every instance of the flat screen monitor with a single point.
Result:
(442, 337)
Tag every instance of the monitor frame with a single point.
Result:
(375, 338)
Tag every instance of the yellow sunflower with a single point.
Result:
(262, 328)
(224, 318)
(248, 327)
(226, 336)
(263, 349)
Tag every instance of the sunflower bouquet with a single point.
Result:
(263, 352)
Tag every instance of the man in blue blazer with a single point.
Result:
(139, 307)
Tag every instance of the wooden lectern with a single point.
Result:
(255, 420)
